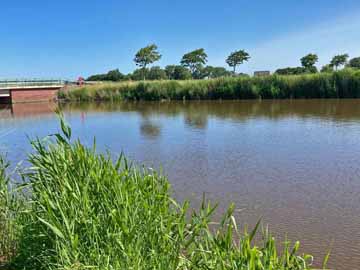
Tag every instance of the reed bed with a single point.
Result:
(12, 205)
(341, 84)
(85, 211)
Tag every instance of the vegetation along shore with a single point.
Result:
(194, 80)
(338, 84)
(78, 209)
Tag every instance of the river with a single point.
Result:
(293, 163)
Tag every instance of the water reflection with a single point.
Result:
(149, 129)
(197, 113)
(24, 110)
(196, 120)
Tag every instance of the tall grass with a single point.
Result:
(5, 218)
(11, 205)
(87, 212)
(341, 84)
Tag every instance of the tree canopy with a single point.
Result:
(194, 60)
(354, 63)
(153, 73)
(156, 73)
(139, 73)
(339, 60)
(291, 71)
(237, 58)
(177, 72)
(327, 68)
(146, 56)
(113, 75)
(214, 72)
(309, 60)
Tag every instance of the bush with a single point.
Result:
(113, 75)
(291, 71)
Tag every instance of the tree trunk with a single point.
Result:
(192, 70)
(144, 76)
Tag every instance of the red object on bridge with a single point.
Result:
(80, 81)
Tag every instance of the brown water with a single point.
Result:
(295, 163)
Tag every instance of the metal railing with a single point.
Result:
(30, 82)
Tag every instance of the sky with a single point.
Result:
(67, 39)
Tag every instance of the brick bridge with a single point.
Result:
(20, 91)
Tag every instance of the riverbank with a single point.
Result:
(341, 84)
(86, 211)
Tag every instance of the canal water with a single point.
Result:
(293, 163)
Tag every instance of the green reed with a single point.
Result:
(11, 207)
(341, 84)
(86, 211)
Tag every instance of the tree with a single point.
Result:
(170, 69)
(327, 68)
(339, 60)
(214, 72)
(194, 61)
(177, 72)
(237, 58)
(113, 75)
(312, 69)
(218, 72)
(354, 63)
(182, 73)
(138, 74)
(96, 77)
(146, 56)
(308, 61)
(291, 71)
(157, 73)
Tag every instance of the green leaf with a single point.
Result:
(252, 234)
(53, 228)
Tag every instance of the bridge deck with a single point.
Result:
(20, 91)
(24, 84)
(55, 86)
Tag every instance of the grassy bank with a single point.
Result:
(341, 84)
(81, 210)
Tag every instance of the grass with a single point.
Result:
(85, 211)
(11, 206)
(341, 84)
(6, 246)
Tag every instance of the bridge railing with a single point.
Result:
(27, 83)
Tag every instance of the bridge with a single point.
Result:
(34, 90)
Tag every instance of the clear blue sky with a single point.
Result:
(42, 38)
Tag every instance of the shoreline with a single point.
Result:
(336, 85)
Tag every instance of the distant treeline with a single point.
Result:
(308, 65)
(193, 66)
(338, 84)
(170, 72)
